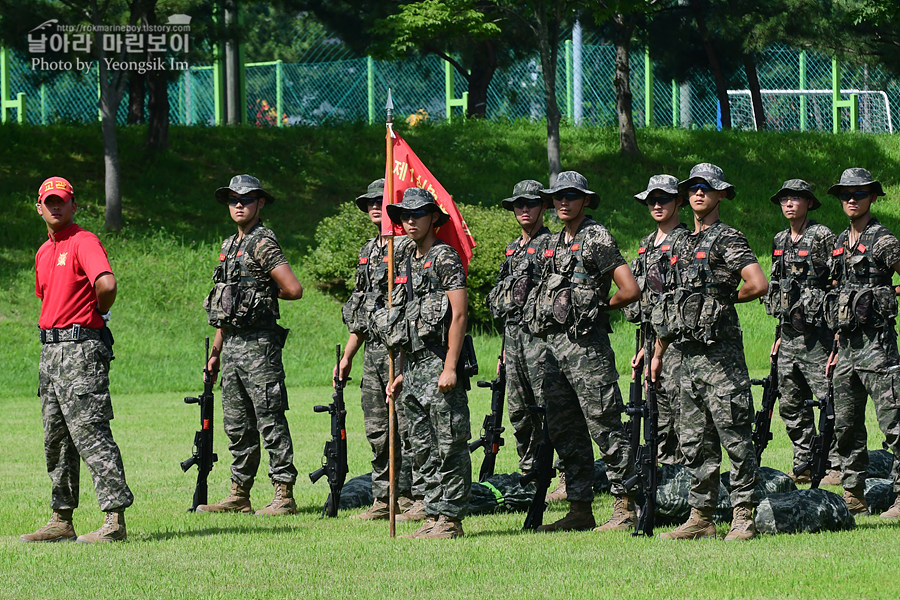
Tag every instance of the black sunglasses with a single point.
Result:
(660, 200)
(244, 200)
(699, 186)
(414, 214)
(860, 195)
(570, 195)
(373, 202)
(527, 203)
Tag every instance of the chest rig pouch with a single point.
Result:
(388, 323)
(651, 278)
(507, 299)
(797, 292)
(697, 307)
(369, 292)
(237, 299)
(864, 296)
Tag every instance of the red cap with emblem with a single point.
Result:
(56, 186)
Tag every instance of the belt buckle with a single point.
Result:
(76, 332)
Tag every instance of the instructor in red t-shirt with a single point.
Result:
(77, 288)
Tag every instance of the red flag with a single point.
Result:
(408, 171)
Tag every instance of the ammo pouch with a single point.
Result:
(664, 316)
(429, 316)
(233, 305)
(588, 309)
(809, 311)
(548, 305)
(355, 314)
(701, 315)
(389, 324)
(868, 306)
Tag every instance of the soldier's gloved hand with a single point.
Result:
(105, 316)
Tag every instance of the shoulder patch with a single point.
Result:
(837, 251)
(222, 256)
(510, 251)
(777, 252)
(364, 260)
(642, 249)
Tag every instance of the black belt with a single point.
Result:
(75, 333)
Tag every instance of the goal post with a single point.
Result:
(783, 109)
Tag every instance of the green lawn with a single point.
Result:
(174, 554)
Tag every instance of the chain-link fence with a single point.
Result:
(796, 92)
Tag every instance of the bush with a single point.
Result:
(332, 264)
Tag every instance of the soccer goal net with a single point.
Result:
(783, 110)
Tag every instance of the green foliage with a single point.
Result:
(436, 22)
(331, 261)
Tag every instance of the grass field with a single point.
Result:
(163, 260)
(173, 554)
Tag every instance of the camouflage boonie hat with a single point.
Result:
(528, 189)
(243, 184)
(712, 175)
(854, 177)
(571, 180)
(662, 183)
(375, 191)
(796, 187)
(413, 199)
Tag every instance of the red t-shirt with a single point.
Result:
(65, 272)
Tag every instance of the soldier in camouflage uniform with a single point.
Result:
(251, 276)
(865, 257)
(368, 295)
(524, 354)
(77, 288)
(431, 387)
(800, 278)
(569, 308)
(714, 399)
(651, 270)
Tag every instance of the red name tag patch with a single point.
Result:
(364, 260)
(428, 265)
(221, 257)
(576, 247)
(778, 252)
(701, 255)
(240, 253)
(400, 279)
(548, 253)
(802, 253)
(642, 249)
(510, 251)
(666, 247)
(837, 251)
(530, 250)
(861, 248)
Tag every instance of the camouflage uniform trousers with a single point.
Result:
(667, 402)
(525, 356)
(439, 430)
(716, 411)
(867, 364)
(77, 409)
(583, 402)
(801, 374)
(375, 419)
(254, 400)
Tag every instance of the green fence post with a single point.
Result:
(43, 104)
(370, 87)
(4, 82)
(570, 78)
(100, 95)
(279, 91)
(451, 102)
(648, 89)
(837, 104)
(675, 101)
(803, 87)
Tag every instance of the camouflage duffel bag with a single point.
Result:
(803, 511)
(879, 494)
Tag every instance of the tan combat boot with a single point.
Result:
(742, 525)
(856, 501)
(445, 528)
(699, 526)
(113, 530)
(238, 500)
(59, 529)
(380, 510)
(833, 477)
(559, 494)
(282, 504)
(802, 478)
(894, 511)
(429, 523)
(623, 515)
(404, 503)
(579, 518)
(416, 512)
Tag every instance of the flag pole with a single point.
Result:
(392, 415)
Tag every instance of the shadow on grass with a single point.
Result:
(207, 530)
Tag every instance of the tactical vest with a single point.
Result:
(516, 280)
(653, 278)
(419, 315)
(567, 298)
(370, 290)
(238, 300)
(864, 296)
(797, 291)
(700, 308)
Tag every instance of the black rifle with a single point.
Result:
(820, 445)
(646, 455)
(762, 425)
(542, 474)
(203, 455)
(491, 430)
(334, 463)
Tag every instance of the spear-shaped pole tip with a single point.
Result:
(389, 105)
